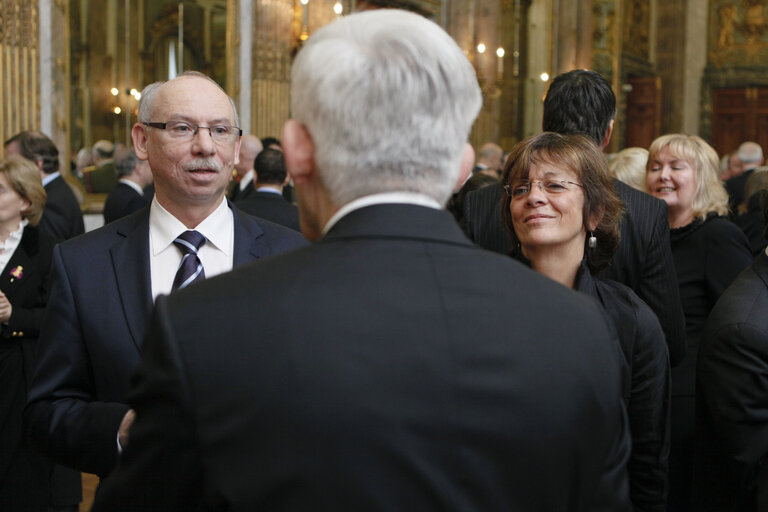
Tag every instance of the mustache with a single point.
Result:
(203, 164)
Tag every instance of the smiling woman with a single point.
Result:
(709, 252)
(562, 214)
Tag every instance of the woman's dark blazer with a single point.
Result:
(648, 400)
(27, 480)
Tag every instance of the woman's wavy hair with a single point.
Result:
(24, 177)
(710, 194)
(580, 155)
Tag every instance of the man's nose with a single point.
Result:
(202, 142)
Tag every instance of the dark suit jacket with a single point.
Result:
(732, 398)
(643, 261)
(752, 223)
(27, 480)
(93, 330)
(235, 194)
(736, 188)
(123, 200)
(62, 217)
(391, 366)
(272, 207)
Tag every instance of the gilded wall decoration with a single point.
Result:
(637, 23)
(738, 33)
(604, 45)
(19, 55)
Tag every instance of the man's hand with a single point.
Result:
(125, 426)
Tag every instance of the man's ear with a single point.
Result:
(608, 133)
(299, 151)
(237, 154)
(467, 164)
(139, 136)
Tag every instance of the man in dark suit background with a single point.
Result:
(582, 101)
(62, 217)
(104, 283)
(750, 154)
(392, 365)
(267, 200)
(242, 187)
(128, 195)
(731, 470)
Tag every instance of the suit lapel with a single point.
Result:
(130, 260)
(249, 245)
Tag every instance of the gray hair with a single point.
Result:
(750, 153)
(150, 91)
(125, 162)
(389, 100)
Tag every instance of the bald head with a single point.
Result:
(250, 147)
(490, 155)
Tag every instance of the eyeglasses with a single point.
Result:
(183, 130)
(548, 186)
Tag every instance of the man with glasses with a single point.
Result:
(104, 283)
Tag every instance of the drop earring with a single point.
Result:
(592, 242)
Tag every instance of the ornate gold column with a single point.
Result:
(273, 44)
(58, 100)
(19, 51)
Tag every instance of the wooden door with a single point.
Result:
(739, 115)
(643, 111)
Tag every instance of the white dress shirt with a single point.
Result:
(50, 177)
(164, 257)
(8, 247)
(135, 186)
(246, 180)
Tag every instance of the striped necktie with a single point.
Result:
(191, 268)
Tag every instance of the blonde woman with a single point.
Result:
(709, 252)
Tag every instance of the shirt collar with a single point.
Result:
(135, 186)
(385, 198)
(50, 177)
(164, 227)
(271, 190)
(246, 180)
(17, 233)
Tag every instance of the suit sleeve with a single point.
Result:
(649, 414)
(733, 379)
(160, 468)
(659, 289)
(63, 418)
(611, 493)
